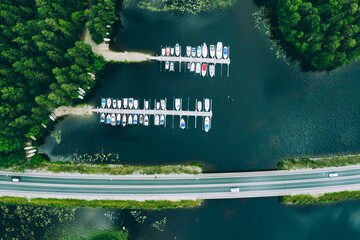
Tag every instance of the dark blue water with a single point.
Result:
(265, 111)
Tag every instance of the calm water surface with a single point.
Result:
(265, 111)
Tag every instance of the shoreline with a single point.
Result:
(73, 110)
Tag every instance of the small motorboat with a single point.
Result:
(162, 119)
(118, 118)
(177, 49)
(219, 50)
(103, 102)
(146, 120)
(177, 104)
(204, 68)
(188, 51)
(172, 67)
(188, 65)
(193, 52)
(182, 123)
(108, 103)
(102, 117)
(113, 120)
(135, 120)
(192, 67)
(212, 51)
(198, 67)
(124, 120)
(163, 105)
(131, 103)
(108, 119)
(114, 103)
(130, 119)
(136, 104)
(162, 51)
(207, 124)
(146, 104)
(199, 106)
(172, 51)
(204, 51)
(198, 51)
(141, 119)
(125, 101)
(212, 70)
(119, 103)
(167, 65)
(207, 104)
(157, 105)
(157, 120)
(226, 52)
(168, 51)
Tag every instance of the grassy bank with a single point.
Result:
(301, 163)
(122, 204)
(303, 199)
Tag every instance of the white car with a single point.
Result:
(234, 190)
(333, 174)
(16, 179)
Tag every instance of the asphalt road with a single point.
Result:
(202, 186)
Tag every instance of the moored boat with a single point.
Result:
(141, 119)
(207, 104)
(188, 65)
(167, 65)
(102, 117)
(168, 51)
(204, 51)
(114, 103)
(125, 101)
(136, 103)
(163, 51)
(113, 120)
(135, 120)
(172, 67)
(182, 123)
(130, 119)
(146, 104)
(219, 50)
(119, 103)
(156, 120)
(198, 67)
(162, 119)
(157, 105)
(131, 103)
(204, 68)
(177, 104)
(108, 103)
(199, 106)
(163, 105)
(212, 70)
(124, 120)
(103, 102)
(118, 117)
(207, 124)
(198, 51)
(193, 52)
(146, 120)
(108, 119)
(212, 51)
(188, 51)
(226, 51)
(177, 49)
(192, 67)
(172, 51)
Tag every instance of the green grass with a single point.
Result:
(303, 199)
(302, 163)
(122, 204)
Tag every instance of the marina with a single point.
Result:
(115, 115)
(204, 58)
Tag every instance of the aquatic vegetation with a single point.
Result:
(160, 225)
(111, 215)
(57, 136)
(137, 215)
(303, 199)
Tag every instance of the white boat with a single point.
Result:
(172, 51)
(157, 105)
(207, 124)
(162, 119)
(163, 51)
(172, 67)
(204, 68)
(118, 118)
(193, 52)
(108, 119)
(212, 51)
(103, 102)
(204, 51)
(102, 117)
(177, 104)
(114, 103)
(131, 103)
(113, 120)
(212, 70)
(124, 120)
(146, 104)
(226, 52)
(198, 67)
(182, 123)
(130, 119)
(125, 101)
(198, 51)
(119, 103)
(207, 104)
(135, 120)
(141, 119)
(199, 106)
(188, 51)
(108, 103)
(192, 67)
(219, 50)
(146, 120)
(167, 65)
(136, 104)
(157, 120)
(163, 105)
(177, 49)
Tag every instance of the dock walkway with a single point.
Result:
(191, 59)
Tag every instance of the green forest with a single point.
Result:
(320, 34)
(42, 65)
